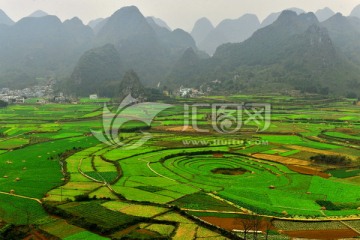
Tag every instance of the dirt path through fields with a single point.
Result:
(345, 223)
(150, 168)
(20, 196)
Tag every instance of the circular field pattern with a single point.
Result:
(198, 171)
(264, 187)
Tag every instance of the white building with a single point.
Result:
(93, 96)
(185, 92)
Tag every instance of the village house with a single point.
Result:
(93, 97)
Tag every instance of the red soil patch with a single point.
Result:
(146, 232)
(308, 171)
(294, 164)
(218, 155)
(126, 231)
(323, 234)
(37, 236)
(237, 223)
(229, 171)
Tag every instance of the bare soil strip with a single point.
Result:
(238, 223)
(280, 159)
(308, 171)
(312, 150)
(323, 234)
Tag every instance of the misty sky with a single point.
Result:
(177, 13)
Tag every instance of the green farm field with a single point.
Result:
(57, 177)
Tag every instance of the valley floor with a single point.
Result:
(57, 181)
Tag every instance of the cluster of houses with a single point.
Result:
(19, 96)
(43, 93)
(189, 92)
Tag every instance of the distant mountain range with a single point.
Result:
(145, 45)
(201, 29)
(229, 31)
(273, 16)
(324, 14)
(295, 52)
(39, 47)
(355, 12)
(345, 34)
(98, 71)
(318, 53)
(94, 23)
(159, 22)
(208, 38)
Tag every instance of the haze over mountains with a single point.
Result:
(296, 51)
(324, 14)
(229, 30)
(4, 19)
(273, 16)
(208, 38)
(38, 13)
(41, 46)
(317, 53)
(355, 12)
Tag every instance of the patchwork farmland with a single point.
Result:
(57, 178)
